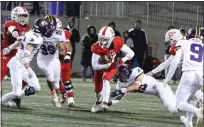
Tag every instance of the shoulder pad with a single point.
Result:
(9, 23)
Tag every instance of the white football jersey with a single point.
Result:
(148, 85)
(49, 48)
(30, 38)
(192, 54)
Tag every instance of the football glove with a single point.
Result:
(6, 51)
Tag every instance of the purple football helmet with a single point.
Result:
(196, 32)
(42, 26)
(124, 73)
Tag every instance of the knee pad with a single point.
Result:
(68, 85)
(29, 91)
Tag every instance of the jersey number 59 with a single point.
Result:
(49, 49)
(197, 51)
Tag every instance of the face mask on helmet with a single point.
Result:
(123, 73)
(104, 42)
(20, 15)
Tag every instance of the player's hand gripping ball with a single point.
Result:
(104, 59)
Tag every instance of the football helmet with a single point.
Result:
(196, 32)
(123, 73)
(105, 36)
(42, 26)
(20, 15)
(171, 37)
(59, 23)
(52, 21)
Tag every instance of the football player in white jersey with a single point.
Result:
(19, 65)
(191, 51)
(48, 58)
(167, 63)
(134, 80)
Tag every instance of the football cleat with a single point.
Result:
(105, 106)
(56, 102)
(18, 102)
(186, 122)
(96, 107)
(70, 102)
(200, 117)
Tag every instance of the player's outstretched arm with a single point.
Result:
(12, 46)
(163, 65)
(174, 65)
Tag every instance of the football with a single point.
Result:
(104, 59)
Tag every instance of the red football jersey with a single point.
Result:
(117, 42)
(8, 39)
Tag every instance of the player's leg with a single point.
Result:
(57, 70)
(167, 97)
(4, 68)
(65, 77)
(199, 94)
(49, 72)
(83, 73)
(107, 76)
(16, 80)
(98, 86)
(186, 89)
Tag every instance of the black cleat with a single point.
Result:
(18, 102)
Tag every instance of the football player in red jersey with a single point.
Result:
(66, 87)
(12, 30)
(107, 44)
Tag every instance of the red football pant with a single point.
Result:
(4, 68)
(101, 75)
(65, 78)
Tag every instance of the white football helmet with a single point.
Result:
(59, 23)
(20, 15)
(172, 36)
(105, 36)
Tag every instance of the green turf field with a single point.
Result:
(136, 110)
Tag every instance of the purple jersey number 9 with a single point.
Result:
(198, 50)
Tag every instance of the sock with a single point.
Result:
(69, 89)
(199, 95)
(8, 97)
(183, 106)
(189, 115)
(106, 90)
(99, 97)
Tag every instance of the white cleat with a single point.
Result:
(96, 107)
(7, 104)
(56, 102)
(200, 117)
(105, 106)
(70, 102)
(186, 122)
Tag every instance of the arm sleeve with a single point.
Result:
(128, 53)
(163, 65)
(174, 65)
(94, 61)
